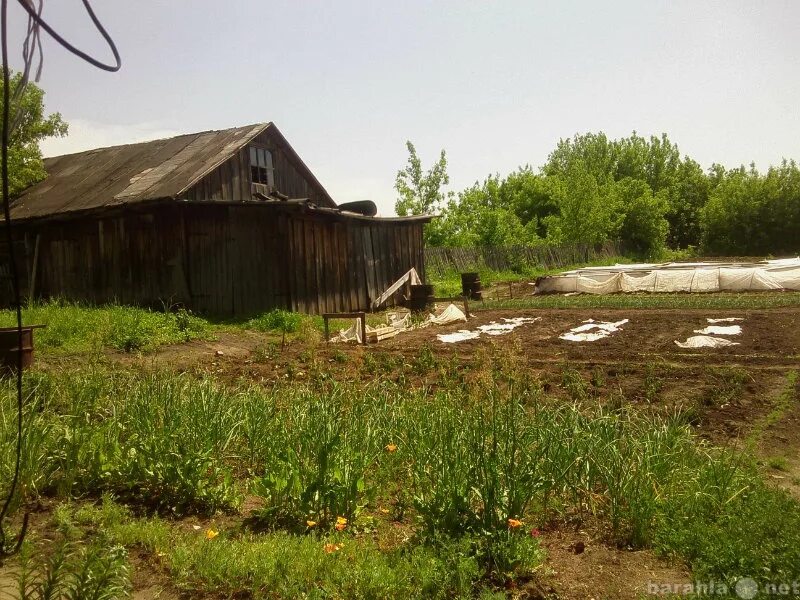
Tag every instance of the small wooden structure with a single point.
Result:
(224, 222)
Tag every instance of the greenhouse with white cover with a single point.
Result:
(780, 274)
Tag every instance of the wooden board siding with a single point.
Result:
(222, 259)
(132, 259)
(231, 179)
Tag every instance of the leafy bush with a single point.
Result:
(277, 320)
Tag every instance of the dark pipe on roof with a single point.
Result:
(361, 207)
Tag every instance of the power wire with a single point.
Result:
(92, 61)
(31, 45)
(4, 550)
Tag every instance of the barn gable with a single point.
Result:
(211, 165)
(266, 164)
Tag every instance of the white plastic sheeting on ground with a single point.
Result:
(402, 322)
(399, 320)
(782, 274)
(592, 330)
(351, 334)
(720, 330)
(458, 336)
(705, 341)
(492, 328)
(451, 314)
(507, 326)
(708, 337)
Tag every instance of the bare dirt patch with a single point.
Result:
(582, 567)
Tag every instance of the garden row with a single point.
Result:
(486, 464)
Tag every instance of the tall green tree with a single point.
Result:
(754, 214)
(530, 197)
(588, 213)
(644, 226)
(420, 192)
(686, 200)
(25, 165)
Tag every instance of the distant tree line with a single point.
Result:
(635, 191)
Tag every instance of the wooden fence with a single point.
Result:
(440, 261)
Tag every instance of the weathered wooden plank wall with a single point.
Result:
(224, 259)
(231, 179)
(133, 258)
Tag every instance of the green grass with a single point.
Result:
(454, 465)
(73, 328)
(279, 565)
(73, 569)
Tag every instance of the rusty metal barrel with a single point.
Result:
(471, 286)
(9, 347)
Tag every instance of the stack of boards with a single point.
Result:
(381, 333)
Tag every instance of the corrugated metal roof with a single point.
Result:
(119, 175)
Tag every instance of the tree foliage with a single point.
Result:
(637, 191)
(25, 166)
(753, 214)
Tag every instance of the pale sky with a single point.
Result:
(495, 84)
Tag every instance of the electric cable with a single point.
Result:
(31, 46)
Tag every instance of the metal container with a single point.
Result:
(471, 286)
(9, 347)
(421, 297)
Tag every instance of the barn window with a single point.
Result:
(261, 166)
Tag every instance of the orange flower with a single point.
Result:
(332, 548)
(211, 534)
(391, 448)
(311, 524)
(514, 524)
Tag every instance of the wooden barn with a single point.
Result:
(224, 222)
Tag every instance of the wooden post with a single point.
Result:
(363, 328)
(327, 329)
(34, 266)
(510, 291)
